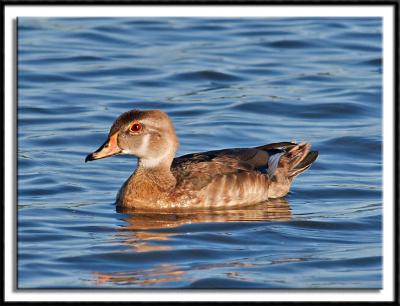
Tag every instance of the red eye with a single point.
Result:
(136, 127)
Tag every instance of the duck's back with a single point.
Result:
(240, 176)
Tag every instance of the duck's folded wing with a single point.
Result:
(223, 178)
(199, 169)
(243, 175)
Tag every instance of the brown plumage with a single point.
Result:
(215, 179)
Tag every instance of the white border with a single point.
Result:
(387, 294)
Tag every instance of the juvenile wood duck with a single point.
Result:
(209, 180)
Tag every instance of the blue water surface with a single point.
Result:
(225, 83)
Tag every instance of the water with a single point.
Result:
(225, 83)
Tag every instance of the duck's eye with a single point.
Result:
(136, 127)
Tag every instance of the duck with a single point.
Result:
(218, 179)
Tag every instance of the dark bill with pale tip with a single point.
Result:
(109, 148)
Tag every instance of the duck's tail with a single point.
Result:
(285, 163)
(298, 159)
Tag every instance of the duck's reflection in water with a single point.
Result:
(165, 273)
(140, 233)
(273, 210)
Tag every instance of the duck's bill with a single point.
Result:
(109, 148)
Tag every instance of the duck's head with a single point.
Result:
(148, 135)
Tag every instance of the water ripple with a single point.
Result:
(204, 75)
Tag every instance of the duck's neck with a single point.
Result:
(158, 174)
(146, 186)
(155, 164)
